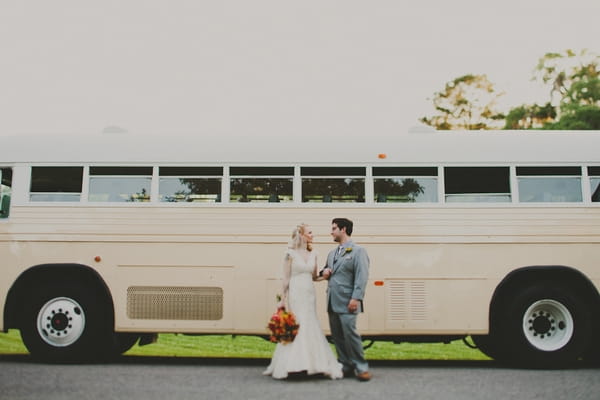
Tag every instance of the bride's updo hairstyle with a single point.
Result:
(297, 241)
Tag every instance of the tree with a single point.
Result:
(467, 102)
(530, 116)
(578, 117)
(574, 80)
(573, 77)
(584, 92)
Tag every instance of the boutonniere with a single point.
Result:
(348, 249)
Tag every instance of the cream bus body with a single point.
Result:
(443, 268)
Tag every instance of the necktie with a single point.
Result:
(339, 252)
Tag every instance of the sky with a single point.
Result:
(342, 68)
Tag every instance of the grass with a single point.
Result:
(173, 345)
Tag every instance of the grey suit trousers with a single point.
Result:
(348, 342)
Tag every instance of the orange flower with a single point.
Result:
(283, 326)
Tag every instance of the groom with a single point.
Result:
(347, 270)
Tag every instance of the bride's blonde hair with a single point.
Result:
(297, 241)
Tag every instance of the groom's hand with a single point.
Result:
(353, 305)
(325, 273)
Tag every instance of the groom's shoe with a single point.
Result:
(348, 373)
(364, 376)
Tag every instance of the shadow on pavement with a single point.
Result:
(263, 362)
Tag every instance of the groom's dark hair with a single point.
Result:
(344, 223)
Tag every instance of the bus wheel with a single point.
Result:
(125, 341)
(547, 325)
(65, 324)
(488, 345)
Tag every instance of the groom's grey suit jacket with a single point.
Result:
(348, 280)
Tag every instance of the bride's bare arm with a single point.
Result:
(285, 279)
(315, 275)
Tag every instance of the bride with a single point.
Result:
(310, 351)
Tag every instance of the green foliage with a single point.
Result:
(574, 79)
(11, 343)
(530, 116)
(173, 345)
(573, 76)
(467, 102)
(585, 91)
(576, 117)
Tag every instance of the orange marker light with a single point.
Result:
(382, 155)
(97, 258)
(378, 283)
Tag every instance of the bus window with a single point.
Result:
(190, 184)
(594, 173)
(405, 184)
(120, 184)
(477, 184)
(333, 185)
(56, 183)
(549, 184)
(5, 191)
(261, 184)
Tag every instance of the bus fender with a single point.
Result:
(37, 275)
(526, 276)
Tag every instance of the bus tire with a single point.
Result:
(65, 322)
(546, 325)
(125, 341)
(488, 345)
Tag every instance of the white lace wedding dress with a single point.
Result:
(310, 350)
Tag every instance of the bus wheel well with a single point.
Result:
(39, 275)
(528, 276)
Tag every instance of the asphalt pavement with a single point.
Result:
(165, 378)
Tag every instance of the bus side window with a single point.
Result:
(477, 184)
(549, 184)
(190, 184)
(56, 184)
(333, 184)
(261, 184)
(594, 173)
(405, 184)
(120, 184)
(5, 191)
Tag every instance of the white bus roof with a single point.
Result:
(466, 147)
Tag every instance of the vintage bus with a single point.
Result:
(107, 239)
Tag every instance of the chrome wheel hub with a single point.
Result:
(61, 322)
(548, 325)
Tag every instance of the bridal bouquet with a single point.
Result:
(283, 326)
